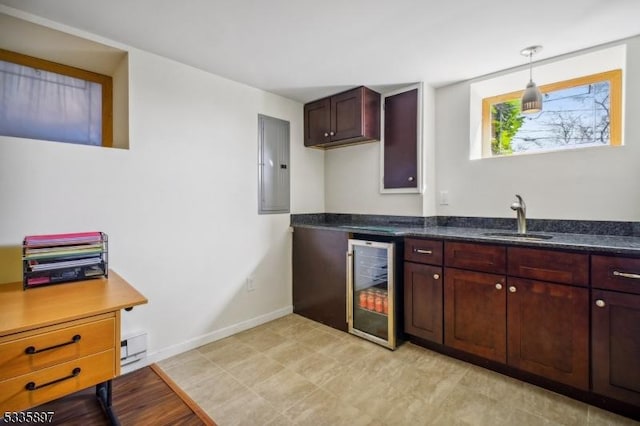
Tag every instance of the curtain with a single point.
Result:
(39, 104)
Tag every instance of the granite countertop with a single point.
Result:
(591, 242)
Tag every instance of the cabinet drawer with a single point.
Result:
(549, 265)
(55, 347)
(616, 273)
(477, 257)
(423, 251)
(54, 382)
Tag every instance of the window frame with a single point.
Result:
(105, 81)
(614, 77)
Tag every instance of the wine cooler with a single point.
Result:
(371, 291)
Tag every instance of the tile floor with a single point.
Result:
(293, 371)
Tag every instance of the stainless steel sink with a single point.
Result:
(517, 236)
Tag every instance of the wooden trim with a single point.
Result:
(202, 415)
(105, 81)
(614, 77)
(486, 127)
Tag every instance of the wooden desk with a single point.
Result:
(59, 339)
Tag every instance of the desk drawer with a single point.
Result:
(55, 347)
(54, 382)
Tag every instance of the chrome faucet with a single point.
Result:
(521, 209)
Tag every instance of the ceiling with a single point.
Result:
(304, 49)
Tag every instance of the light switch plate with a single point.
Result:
(444, 198)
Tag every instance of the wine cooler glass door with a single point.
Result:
(371, 291)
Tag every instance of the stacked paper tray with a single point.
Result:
(57, 258)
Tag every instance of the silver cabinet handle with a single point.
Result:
(421, 251)
(600, 303)
(626, 275)
(410, 179)
(326, 134)
(436, 276)
(512, 289)
(332, 133)
(349, 287)
(499, 286)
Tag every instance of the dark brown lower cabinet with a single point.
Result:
(475, 313)
(320, 276)
(538, 327)
(423, 301)
(615, 339)
(548, 330)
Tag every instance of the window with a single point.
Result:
(581, 112)
(45, 100)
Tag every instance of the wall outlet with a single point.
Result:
(251, 284)
(444, 198)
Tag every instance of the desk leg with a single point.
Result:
(103, 393)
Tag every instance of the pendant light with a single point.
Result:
(532, 97)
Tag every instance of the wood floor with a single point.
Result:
(143, 397)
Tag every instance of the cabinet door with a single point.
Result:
(401, 140)
(423, 301)
(615, 337)
(346, 115)
(548, 330)
(475, 309)
(320, 276)
(317, 122)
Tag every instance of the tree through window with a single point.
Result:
(576, 113)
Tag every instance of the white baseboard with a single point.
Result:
(198, 341)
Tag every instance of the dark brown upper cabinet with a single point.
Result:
(346, 118)
(400, 168)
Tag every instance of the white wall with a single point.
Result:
(352, 176)
(601, 183)
(179, 206)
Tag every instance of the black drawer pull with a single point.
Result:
(31, 386)
(31, 350)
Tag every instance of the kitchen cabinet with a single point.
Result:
(475, 313)
(548, 321)
(475, 299)
(401, 141)
(345, 118)
(615, 327)
(504, 315)
(319, 275)
(423, 291)
(548, 330)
